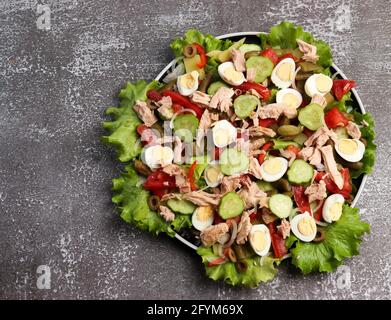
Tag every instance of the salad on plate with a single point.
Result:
(250, 149)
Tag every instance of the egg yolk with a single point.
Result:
(323, 84)
(232, 75)
(258, 240)
(335, 211)
(290, 100)
(306, 226)
(212, 173)
(272, 166)
(284, 72)
(204, 213)
(188, 80)
(347, 146)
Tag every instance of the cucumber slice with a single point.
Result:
(181, 206)
(300, 172)
(244, 105)
(262, 65)
(281, 205)
(214, 86)
(300, 139)
(341, 133)
(233, 161)
(231, 205)
(185, 127)
(282, 144)
(312, 116)
(248, 47)
(265, 186)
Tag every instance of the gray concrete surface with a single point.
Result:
(55, 207)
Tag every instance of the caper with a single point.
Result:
(153, 202)
(189, 51)
(241, 266)
(289, 130)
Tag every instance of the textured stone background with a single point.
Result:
(55, 175)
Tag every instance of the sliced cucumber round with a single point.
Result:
(244, 105)
(185, 127)
(262, 65)
(231, 206)
(312, 116)
(233, 161)
(300, 172)
(281, 205)
(214, 86)
(181, 206)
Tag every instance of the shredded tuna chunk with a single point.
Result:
(205, 124)
(261, 132)
(284, 228)
(222, 99)
(254, 93)
(213, 233)
(180, 175)
(200, 98)
(202, 198)
(253, 196)
(353, 130)
(230, 183)
(306, 153)
(238, 60)
(255, 168)
(144, 113)
(309, 51)
(268, 216)
(291, 156)
(320, 100)
(244, 228)
(331, 165)
(316, 158)
(250, 74)
(320, 137)
(169, 196)
(255, 146)
(165, 107)
(166, 213)
(275, 110)
(316, 191)
(178, 150)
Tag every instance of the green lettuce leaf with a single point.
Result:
(258, 270)
(208, 41)
(342, 241)
(342, 104)
(284, 36)
(131, 200)
(368, 133)
(122, 128)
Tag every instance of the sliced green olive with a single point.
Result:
(320, 235)
(189, 51)
(153, 202)
(231, 255)
(289, 130)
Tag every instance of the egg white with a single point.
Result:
(282, 84)
(157, 156)
(262, 228)
(329, 202)
(198, 224)
(274, 177)
(280, 96)
(311, 88)
(294, 227)
(222, 70)
(183, 90)
(213, 184)
(223, 133)
(356, 156)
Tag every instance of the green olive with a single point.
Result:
(289, 130)
(241, 266)
(153, 202)
(231, 255)
(320, 235)
(189, 51)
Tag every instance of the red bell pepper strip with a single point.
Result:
(278, 243)
(216, 262)
(184, 101)
(265, 147)
(193, 186)
(263, 91)
(140, 128)
(301, 199)
(176, 108)
(253, 216)
(266, 123)
(271, 54)
(289, 55)
(335, 118)
(332, 187)
(342, 87)
(203, 57)
(293, 149)
(217, 153)
(154, 95)
(318, 213)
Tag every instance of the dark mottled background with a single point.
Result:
(55, 175)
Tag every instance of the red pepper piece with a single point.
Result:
(271, 54)
(267, 122)
(146, 134)
(203, 57)
(216, 262)
(217, 219)
(335, 118)
(278, 243)
(176, 108)
(263, 91)
(265, 147)
(301, 199)
(293, 149)
(193, 186)
(332, 187)
(253, 216)
(184, 102)
(342, 87)
(154, 95)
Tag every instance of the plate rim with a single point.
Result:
(336, 68)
